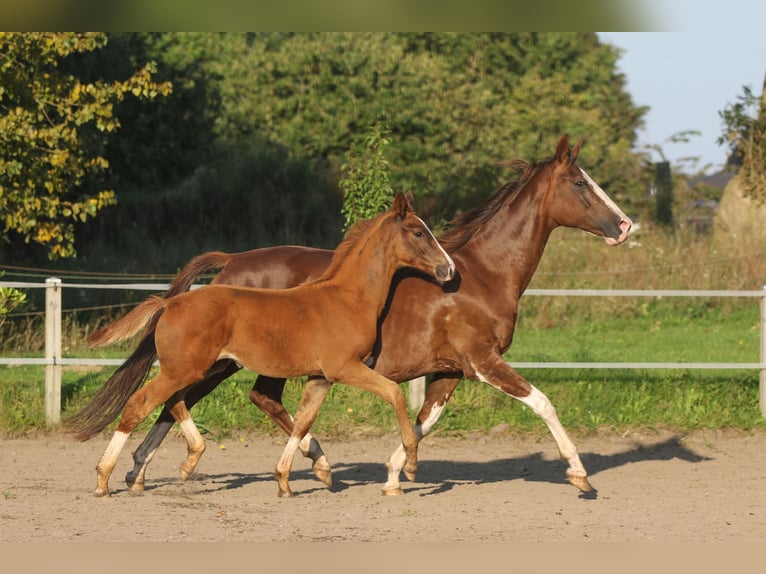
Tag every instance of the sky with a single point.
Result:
(692, 71)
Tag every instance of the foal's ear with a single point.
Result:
(401, 205)
(410, 199)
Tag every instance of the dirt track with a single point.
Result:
(651, 487)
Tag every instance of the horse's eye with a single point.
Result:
(418, 233)
(581, 183)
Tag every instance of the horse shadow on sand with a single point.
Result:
(439, 476)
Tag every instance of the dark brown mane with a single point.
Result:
(465, 225)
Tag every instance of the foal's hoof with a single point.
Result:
(395, 491)
(580, 482)
(323, 473)
(285, 493)
(101, 493)
(411, 472)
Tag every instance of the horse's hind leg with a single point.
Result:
(195, 444)
(313, 396)
(501, 375)
(267, 396)
(143, 455)
(145, 452)
(438, 393)
(137, 408)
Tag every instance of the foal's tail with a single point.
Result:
(111, 398)
(145, 314)
(137, 319)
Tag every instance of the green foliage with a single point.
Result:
(456, 104)
(10, 300)
(366, 188)
(745, 135)
(50, 143)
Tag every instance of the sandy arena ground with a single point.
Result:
(708, 486)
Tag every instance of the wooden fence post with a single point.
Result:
(53, 350)
(762, 372)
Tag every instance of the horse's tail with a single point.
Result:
(125, 327)
(110, 399)
(138, 318)
(194, 268)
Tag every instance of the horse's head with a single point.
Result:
(578, 201)
(415, 245)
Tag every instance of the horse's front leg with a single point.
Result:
(363, 377)
(438, 392)
(267, 396)
(496, 372)
(314, 394)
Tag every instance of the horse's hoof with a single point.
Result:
(396, 491)
(136, 487)
(580, 482)
(285, 493)
(101, 493)
(323, 474)
(411, 473)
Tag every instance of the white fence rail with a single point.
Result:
(53, 361)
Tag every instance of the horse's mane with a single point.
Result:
(352, 237)
(465, 225)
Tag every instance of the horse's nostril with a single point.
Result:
(445, 272)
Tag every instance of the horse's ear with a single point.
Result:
(410, 199)
(400, 205)
(575, 151)
(562, 150)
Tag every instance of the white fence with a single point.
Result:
(53, 361)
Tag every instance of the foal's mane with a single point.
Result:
(352, 238)
(465, 225)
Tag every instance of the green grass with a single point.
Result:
(586, 399)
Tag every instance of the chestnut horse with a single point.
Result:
(497, 247)
(323, 328)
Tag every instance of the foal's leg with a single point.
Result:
(195, 444)
(314, 394)
(267, 396)
(358, 375)
(438, 392)
(137, 408)
(143, 455)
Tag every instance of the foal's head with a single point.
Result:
(575, 200)
(413, 244)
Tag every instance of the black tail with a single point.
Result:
(111, 398)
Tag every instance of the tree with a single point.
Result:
(456, 104)
(745, 135)
(52, 128)
(366, 188)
